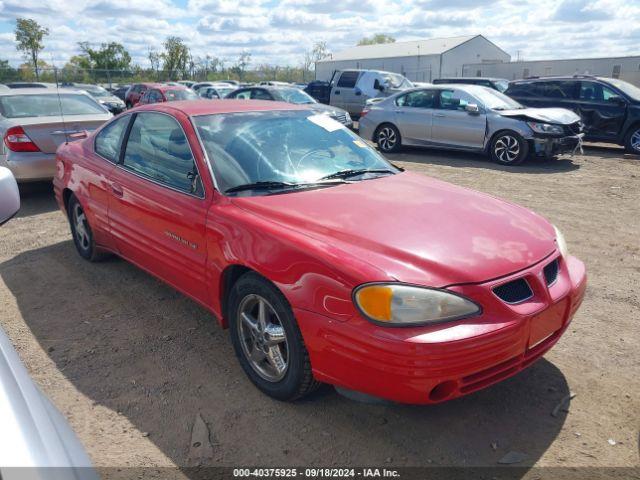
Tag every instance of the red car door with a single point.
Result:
(93, 172)
(158, 204)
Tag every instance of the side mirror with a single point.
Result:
(472, 108)
(9, 195)
(377, 85)
(616, 100)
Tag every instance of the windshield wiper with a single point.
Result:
(264, 185)
(275, 185)
(353, 172)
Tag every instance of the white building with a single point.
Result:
(419, 60)
(625, 68)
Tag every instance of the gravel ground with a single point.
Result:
(134, 365)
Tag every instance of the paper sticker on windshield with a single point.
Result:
(326, 122)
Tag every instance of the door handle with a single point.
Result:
(438, 114)
(399, 111)
(117, 190)
(337, 92)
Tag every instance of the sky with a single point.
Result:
(279, 32)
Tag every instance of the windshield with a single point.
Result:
(293, 95)
(501, 85)
(281, 146)
(396, 81)
(493, 99)
(48, 105)
(625, 87)
(174, 95)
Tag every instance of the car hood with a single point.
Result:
(110, 99)
(322, 108)
(413, 228)
(560, 116)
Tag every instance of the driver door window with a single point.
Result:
(157, 149)
(454, 100)
(243, 95)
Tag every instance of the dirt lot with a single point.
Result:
(131, 363)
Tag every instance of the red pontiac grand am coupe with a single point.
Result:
(327, 263)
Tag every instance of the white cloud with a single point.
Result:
(280, 32)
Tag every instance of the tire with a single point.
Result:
(632, 140)
(388, 138)
(285, 375)
(508, 148)
(81, 231)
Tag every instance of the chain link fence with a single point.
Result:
(112, 78)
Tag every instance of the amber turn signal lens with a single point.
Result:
(376, 302)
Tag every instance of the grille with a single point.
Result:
(551, 272)
(514, 292)
(575, 128)
(342, 118)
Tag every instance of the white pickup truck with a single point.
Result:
(350, 89)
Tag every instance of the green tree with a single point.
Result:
(240, 67)
(109, 56)
(376, 39)
(29, 36)
(318, 52)
(176, 57)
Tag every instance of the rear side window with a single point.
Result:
(110, 137)
(158, 149)
(348, 79)
(419, 99)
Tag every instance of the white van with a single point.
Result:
(350, 89)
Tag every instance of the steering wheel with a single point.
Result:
(315, 153)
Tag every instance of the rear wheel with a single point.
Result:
(267, 340)
(508, 148)
(632, 141)
(388, 138)
(81, 231)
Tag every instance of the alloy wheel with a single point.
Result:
(263, 338)
(507, 148)
(387, 138)
(81, 227)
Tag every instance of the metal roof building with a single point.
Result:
(418, 60)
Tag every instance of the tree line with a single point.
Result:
(112, 63)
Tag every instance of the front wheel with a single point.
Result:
(388, 138)
(267, 340)
(632, 141)
(508, 148)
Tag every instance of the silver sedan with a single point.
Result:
(34, 121)
(472, 118)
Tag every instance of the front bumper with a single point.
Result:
(423, 365)
(30, 166)
(547, 146)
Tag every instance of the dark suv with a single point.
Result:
(609, 108)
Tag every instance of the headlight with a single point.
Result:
(398, 304)
(562, 244)
(546, 128)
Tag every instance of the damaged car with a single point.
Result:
(608, 107)
(471, 118)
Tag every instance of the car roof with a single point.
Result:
(469, 79)
(40, 91)
(200, 107)
(574, 78)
